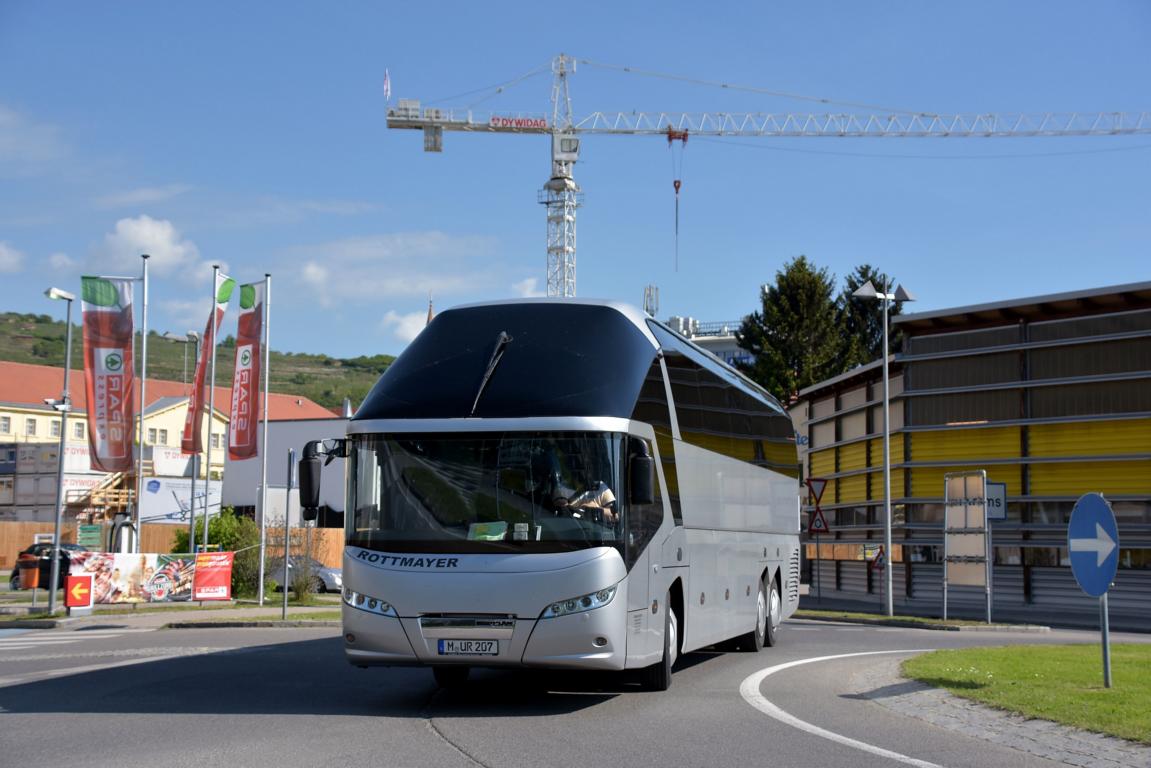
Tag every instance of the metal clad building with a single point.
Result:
(1050, 395)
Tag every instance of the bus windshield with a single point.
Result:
(484, 493)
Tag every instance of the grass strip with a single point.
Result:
(1061, 683)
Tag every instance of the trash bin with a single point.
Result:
(29, 568)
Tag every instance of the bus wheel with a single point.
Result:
(774, 615)
(451, 677)
(754, 640)
(657, 677)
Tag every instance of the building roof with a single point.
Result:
(26, 385)
(1114, 298)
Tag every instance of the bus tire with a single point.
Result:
(451, 677)
(774, 615)
(657, 677)
(754, 640)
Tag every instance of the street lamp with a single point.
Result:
(186, 339)
(868, 291)
(63, 405)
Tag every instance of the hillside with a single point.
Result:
(327, 380)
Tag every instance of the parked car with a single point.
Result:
(327, 579)
(43, 553)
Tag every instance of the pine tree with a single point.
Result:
(795, 340)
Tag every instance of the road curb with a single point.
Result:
(35, 624)
(240, 623)
(1037, 628)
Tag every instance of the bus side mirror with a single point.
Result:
(641, 479)
(310, 467)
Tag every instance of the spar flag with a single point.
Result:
(245, 413)
(192, 441)
(109, 377)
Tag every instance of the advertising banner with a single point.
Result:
(109, 377)
(245, 413)
(146, 578)
(192, 441)
(213, 576)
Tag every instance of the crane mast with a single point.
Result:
(562, 196)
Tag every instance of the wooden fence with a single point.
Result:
(327, 543)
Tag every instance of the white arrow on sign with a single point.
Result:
(1101, 545)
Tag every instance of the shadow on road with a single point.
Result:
(312, 677)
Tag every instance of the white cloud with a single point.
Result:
(170, 252)
(368, 269)
(404, 327)
(11, 260)
(62, 262)
(189, 315)
(141, 196)
(27, 147)
(526, 288)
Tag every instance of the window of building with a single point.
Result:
(54, 428)
(152, 436)
(30, 427)
(5, 424)
(78, 430)
(163, 437)
(215, 441)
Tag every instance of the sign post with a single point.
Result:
(996, 494)
(965, 547)
(818, 523)
(1093, 542)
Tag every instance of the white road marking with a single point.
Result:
(749, 690)
(34, 640)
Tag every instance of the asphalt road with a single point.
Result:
(110, 696)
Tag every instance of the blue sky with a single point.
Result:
(253, 135)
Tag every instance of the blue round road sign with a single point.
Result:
(1093, 541)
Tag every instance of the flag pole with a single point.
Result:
(143, 405)
(264, 449)
(194, 461)
(214, 329)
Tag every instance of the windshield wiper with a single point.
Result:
(502, 342)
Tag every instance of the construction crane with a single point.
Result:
(562, 196)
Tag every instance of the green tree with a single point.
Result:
(795, 339)
(861, 320)
(233, 533)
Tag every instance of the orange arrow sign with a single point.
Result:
(79, 592)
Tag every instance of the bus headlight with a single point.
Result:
(588, 602)
(363, 602)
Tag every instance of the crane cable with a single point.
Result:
(755, 89)
(496, 89)
(677, 177)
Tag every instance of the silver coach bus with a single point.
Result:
(562, 483)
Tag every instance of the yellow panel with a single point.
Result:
(927, 482)
(896, 484)
(1092, 438)
(822, 462)
(852, 456)
(877, 450)
(959, 444)
(853, 488)
(1077, 478)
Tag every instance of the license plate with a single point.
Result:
(469, 647)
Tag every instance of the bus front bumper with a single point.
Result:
(588, 640)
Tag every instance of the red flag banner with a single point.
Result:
(245, 413)
(213, 578)
(192, 440)
(109, 374)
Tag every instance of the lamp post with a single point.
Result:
(186, 339)
(868, 291)
(63, 405)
